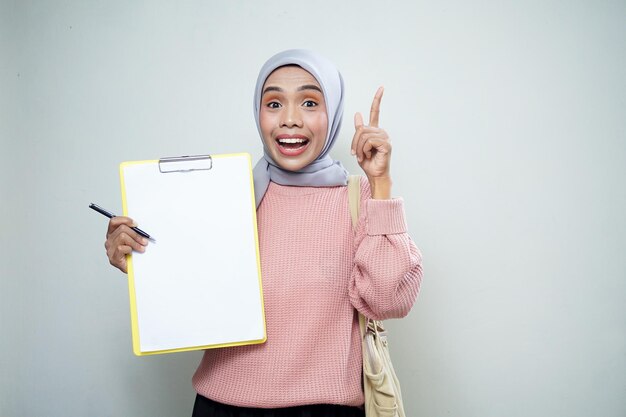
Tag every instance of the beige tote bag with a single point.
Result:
(380, 383)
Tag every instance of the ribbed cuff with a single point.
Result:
(385, 217)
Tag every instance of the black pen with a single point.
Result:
(111, 215)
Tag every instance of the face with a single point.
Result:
(293, 117)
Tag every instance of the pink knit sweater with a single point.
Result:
(316, 270)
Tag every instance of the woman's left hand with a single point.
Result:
(372, 148)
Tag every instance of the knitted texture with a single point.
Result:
(316, 270)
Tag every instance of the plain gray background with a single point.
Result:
(508, 120)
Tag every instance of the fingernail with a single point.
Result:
(352, 151)
(144, 241)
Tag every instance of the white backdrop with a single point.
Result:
(508, 121)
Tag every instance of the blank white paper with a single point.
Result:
(199, 284)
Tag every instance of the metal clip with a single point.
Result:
(187, 163)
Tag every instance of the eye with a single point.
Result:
(273, 104)
(309, 103)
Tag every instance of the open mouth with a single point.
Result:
(292, 146)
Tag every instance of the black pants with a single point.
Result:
(204, 407)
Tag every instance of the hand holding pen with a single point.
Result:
(122, 238)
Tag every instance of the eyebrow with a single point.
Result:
(301, 88)
(309, 87)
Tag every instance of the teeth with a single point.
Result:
(292, 140)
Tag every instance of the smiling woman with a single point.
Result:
(298, 77)
(293, 117)
(318, 270)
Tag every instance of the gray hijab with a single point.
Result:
(324, 171)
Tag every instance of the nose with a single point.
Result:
(291, 117)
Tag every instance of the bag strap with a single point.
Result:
(354, 198)
(354, 201)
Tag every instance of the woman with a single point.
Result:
(317, 271)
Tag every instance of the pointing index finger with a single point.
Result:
(375, 110)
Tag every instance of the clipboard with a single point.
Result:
(198, 285)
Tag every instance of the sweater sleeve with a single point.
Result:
(387, 270)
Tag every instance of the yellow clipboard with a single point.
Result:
(198, 284)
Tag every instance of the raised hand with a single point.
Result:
(372, 148)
